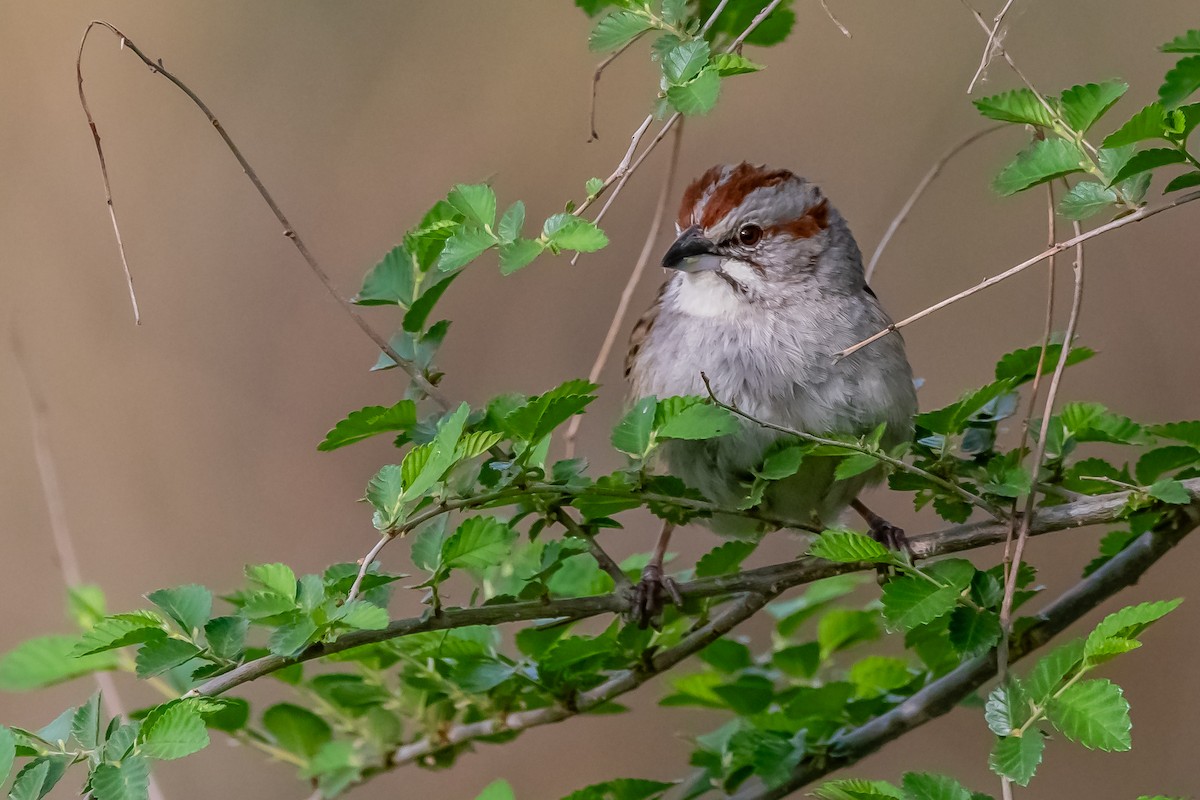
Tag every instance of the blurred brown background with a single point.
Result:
(186, 447)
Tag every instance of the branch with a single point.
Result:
(992, 42)
(947, 692)
(1136, 216)
(155, 65)
(1092, 510)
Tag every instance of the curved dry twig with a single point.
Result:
(156, 66)
(993, 41)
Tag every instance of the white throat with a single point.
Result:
(707, 294)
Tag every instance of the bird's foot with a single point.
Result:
(648, 595)
(891, 537)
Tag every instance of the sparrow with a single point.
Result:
(766, 287)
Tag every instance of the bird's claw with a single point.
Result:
(648, 595)
(893, 538)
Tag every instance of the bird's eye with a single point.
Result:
(749, 235)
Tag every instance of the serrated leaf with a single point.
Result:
(129, 780)
(632, 435)
(363, 616)
(155, 658)
(289, 639)
(684, 61)
(121, 630)
(467, 244)
(8, 753)
(1086, 199)
(86, 726)
(479, 543)
(47, 660)
(1082, 105)
(1145, 160)
(1188, 42)
(730, 64)
(1154, 463)
(1185, 181)
(369, 421)
(1017, 757)
(593, 186)
(1019, 105)
(1129, 622)
(1169, 490)
(842, 627)
(441, 455)
(1045, 160)
(617, 29)
(29, 781)
(390, 282)
(226, 636)
(519, 254)
(1145, 124)
(849, 547)
(416, 316)
(857, 789)
(927, 786)
(724, 558)
(1092, 422)
(1021, 365)
(875, 675)
(1051, 669)
(262, 605)
(189, 605)
(1094, 713)
(909, 602)
(699, 421)
(622, 789)
(276, 578)
(179, 731)
(697, 96)
(1180, 82)
(973, 632)
(476, 202)
(511, 222)
(296, 729)
(1186, 432)
(854, 465)
(569, 232)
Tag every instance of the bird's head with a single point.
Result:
(758, 230)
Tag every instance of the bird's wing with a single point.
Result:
(641, 331)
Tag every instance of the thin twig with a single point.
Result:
(1090, 510)
(933, 172)
(60, 530)
(829, 13)
(944, 694)
(603, 65)
(1136, 216)
(993, 40)
(708, 23)
(884, 458)
(614, 327)
(367, 561)
(414, 372)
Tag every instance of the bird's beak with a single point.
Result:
(691, 252)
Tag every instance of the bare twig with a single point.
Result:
(414, 372)
(614, 327)
(60, 531)
(1090, 510)
(945, 693)
(603, 65)
(759, 18)
(933, 172)
(829, 13)
(994, 37)
(708, 23)
(1129, 219)
(882, 457)
(365, 566)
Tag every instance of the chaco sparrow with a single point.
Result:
(767, 288)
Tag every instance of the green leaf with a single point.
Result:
(622, 789)
(414, 320)
(593, 186)
(289, 639)
(497, 790)
(876, 675)
(369, 421)
(85, 605)
(1093, 713)
(569, 232)
(390, 282)
(1185, 181)
(129, 780)
(121, 630)
(849, 547)
(467, 244)
(440, 456)
(857, 789)
(479, 543)
(1169, 490)
(1180, 82)
(973, 632)
(1092, 422)
(1017, 757)
(276, 578)
(47, 660)
(1086, 199)
(519, 254)
(296, 729)
(263, 605)
(363, 616)
(1186, 432)
(511, 222)
(1052, 668)
(683, 62)
(632, 435)
(724, 558)
(730, 64)
(699, 421)
(843, 627)
(545, 412)
(1020, 105)
(853, 465)
(476, 202)
(226, 636)
(177, 732)
(617, 29)
(1128, 623)
(1184, 43)
(155, 658)
(189, 605)
(697, 96)
(8, 752)
(1145, 124)
(1154, 463)
(1021, 365)
(86, 725)
(1082, 105)
(1045, 160)
(927, 786)
(29, 781)
(1145, 160)
(909, 602)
